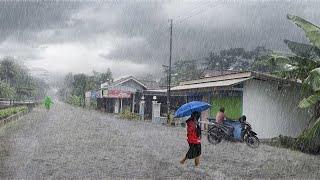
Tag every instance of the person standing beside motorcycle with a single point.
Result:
(194, 139)
(220, 117)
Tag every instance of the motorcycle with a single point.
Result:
(223, 131)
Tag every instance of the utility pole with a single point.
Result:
(169, 76)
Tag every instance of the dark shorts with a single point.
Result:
(194, 151)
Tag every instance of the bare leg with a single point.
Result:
(183, 160)
(197, 161)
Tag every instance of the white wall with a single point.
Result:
(272, 112)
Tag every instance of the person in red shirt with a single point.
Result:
(193, 138)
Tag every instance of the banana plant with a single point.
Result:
(312, 82)
(309, 140)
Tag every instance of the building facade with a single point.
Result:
(270, 103)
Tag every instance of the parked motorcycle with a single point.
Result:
(223, 131)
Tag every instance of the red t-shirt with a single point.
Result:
(192, 133)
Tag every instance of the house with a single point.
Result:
(270, 103)
(122, 94)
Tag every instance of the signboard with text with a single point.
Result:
(116, 94)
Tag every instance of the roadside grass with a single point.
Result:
(4, 113)
(305, 143)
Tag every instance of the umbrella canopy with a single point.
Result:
(188, 108)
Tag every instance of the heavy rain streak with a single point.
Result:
(180, 89)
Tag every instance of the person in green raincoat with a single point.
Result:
(47, 102)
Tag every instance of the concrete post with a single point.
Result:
(141, 109)
(116, 106)
(156, 111)
(133, 99)
(121, 105)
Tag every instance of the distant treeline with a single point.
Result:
(235, 59)
(75, 85)
(17, 83)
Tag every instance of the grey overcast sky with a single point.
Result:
(132, 36)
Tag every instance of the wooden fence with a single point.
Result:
(6, 103)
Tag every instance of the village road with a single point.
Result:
(73, 143)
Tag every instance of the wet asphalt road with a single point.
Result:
(74, 143)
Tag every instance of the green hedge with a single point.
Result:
(4, 113)
(127, 114)
(75, 100)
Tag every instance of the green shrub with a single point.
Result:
(75, 100)
(127, 114)
(4, 113)
(309, 140)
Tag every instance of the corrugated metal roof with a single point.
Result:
(256, 75)
(222, 83)
(218, 78)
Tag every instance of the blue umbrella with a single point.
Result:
(188, 108)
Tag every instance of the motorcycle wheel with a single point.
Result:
(252, 141)
(213, 138)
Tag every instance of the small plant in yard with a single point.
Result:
(127, 114)
(4, 113)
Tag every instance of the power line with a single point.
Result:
(193, 9)
(197, 13)
(180, 19)
(193, 12)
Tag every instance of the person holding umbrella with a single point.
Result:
(193, 109)
(194, 139)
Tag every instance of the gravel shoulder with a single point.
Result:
(72, 143)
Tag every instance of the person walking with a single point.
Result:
(47, 102)
(194, 139)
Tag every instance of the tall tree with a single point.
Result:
(8, 70)
(17, 77)
(182, 70)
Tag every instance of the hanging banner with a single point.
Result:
(117, 94)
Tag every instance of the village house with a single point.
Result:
(270, 103)
(121, 94)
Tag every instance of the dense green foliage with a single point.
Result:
(6, 91)
(17, 83)
(4, 113)
(75, 86)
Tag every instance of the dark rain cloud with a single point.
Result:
(138, 30)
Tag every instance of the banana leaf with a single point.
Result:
(309, 101)
(312, 31)
(313, 80)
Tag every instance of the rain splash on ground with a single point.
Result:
(69, 142)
